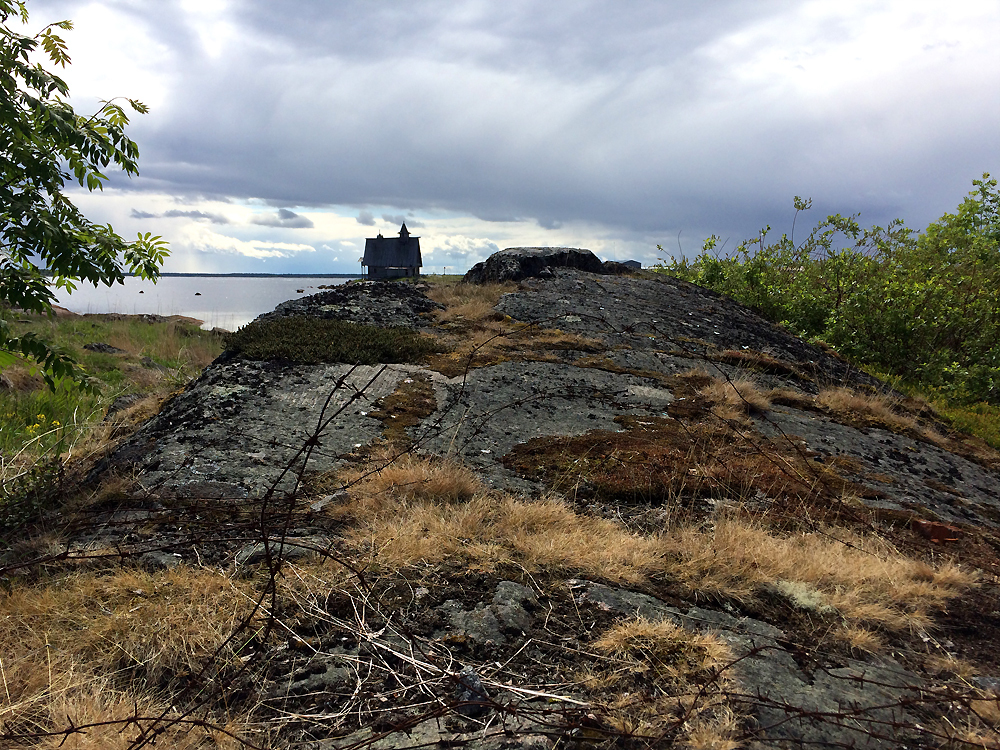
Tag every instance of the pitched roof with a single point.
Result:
(393, 252)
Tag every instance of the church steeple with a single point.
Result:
(404, 233)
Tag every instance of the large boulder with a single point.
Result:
(516, 263)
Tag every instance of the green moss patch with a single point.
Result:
(407, 406)
(314, 340)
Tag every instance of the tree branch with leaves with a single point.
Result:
(46, 243)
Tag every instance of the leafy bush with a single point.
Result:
(313, 340)
(45, 241)
(923, 307)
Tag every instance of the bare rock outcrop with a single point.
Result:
(518, 263)
(610, 391)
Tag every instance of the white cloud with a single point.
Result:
(210, 21)
(603, 125)
(201, 239)
(113, 55)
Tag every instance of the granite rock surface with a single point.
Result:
(248, 430)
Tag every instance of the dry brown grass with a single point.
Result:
(859, 638)
(504, 342)
(390, 479)
(912, 417)
(988, 710)
(418, 511)
(422, 512)
(735, 399)
(74, 696)
(864, 578)
(658, 676)
(871, 408)
(468, 305)
(951, 666)
(714, 731)
(791, 397)
(759, 361)
(980, 728)
(158, 625)
(475, 335)
(95, 647)
(489, 531)
(672, 653)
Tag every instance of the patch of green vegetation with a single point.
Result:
(173, 343)
(922, 307)
(981, 420)
(314, 340)
(918, 309)
(36, 420)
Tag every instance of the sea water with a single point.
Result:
(218, 301)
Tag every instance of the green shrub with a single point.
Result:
(925, 308)
(314, 340)
(982, 420)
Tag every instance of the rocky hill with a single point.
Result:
(563, 505)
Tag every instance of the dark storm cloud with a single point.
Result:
(285, 219)
(214, 218)
(643, 118)
(402, 219)
(176, 214)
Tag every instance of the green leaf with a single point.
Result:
(47, 242)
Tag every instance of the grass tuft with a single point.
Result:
(876, 409)
(657, 676)
(862, 577)
(859, 638)
(468, 306)
(735, 399)
(417, 511)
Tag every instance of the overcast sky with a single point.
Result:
(284, 132)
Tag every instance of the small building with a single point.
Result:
(633, 264)
(392, 257)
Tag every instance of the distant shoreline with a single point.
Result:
(263, 275)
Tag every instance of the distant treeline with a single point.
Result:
(924, 307)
